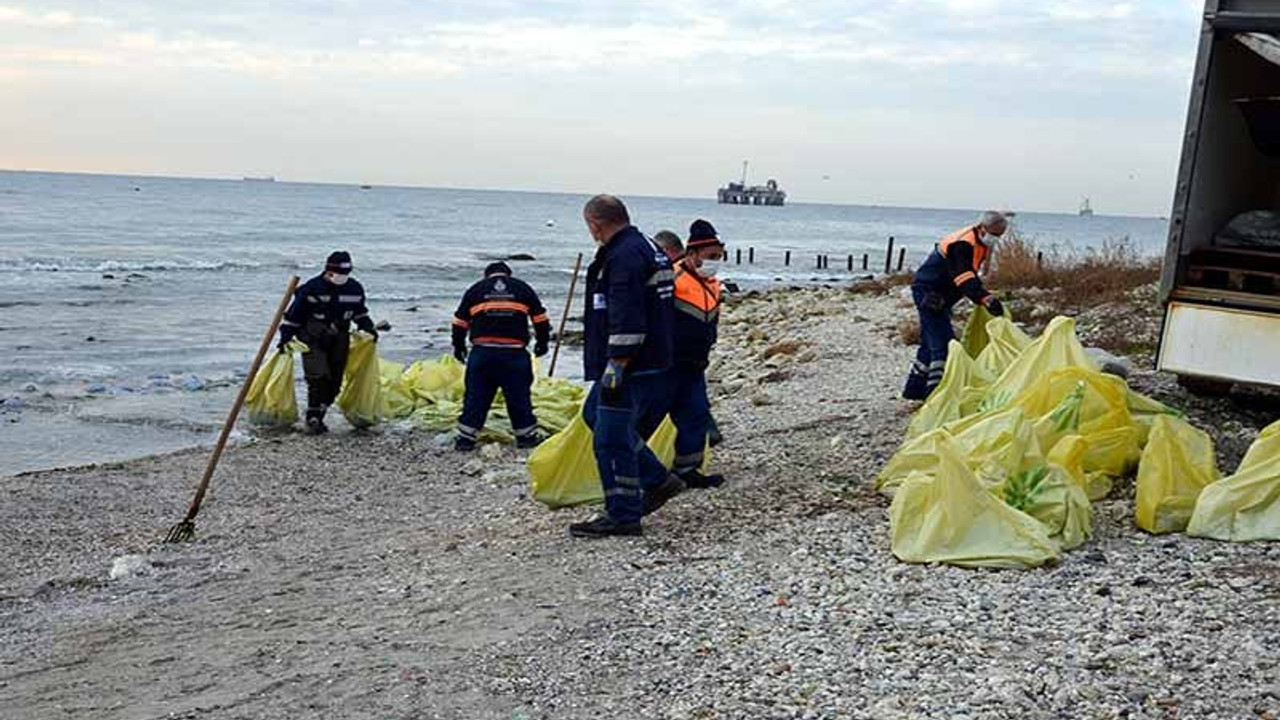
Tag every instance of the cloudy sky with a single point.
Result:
(1029, 104)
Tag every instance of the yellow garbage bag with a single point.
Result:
(1245, 506)
(1056, 349)
(1177, 464)
(431, 380)
(361, 395)
(951, 518)
(975, 336)
(1054, 494)
(563, 470)
(1144, 411)
(943, 406)
(994, 446)
(397, 399)
(1006, 342)
(271, 400)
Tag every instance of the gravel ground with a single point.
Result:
(376, 576)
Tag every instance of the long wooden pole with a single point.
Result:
(235, 409)
(564, 319)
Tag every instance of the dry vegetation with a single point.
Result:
(1076, 279)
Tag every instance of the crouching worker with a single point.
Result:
(496, 312)
(949, 274)
(320, 316)
(697, 320)
(627, 352)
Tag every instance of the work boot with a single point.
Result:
(528, 442)
(695, 480)
(657, 497)
(605, 526)
(315, 422)
(464, 444)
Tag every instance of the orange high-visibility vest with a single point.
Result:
(972, 236)
(697, 296)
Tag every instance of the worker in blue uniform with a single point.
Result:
(627, 352)
(949, 274)
(496, 313)
(320, 316)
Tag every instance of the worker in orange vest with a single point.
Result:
(949, 274)
(697, 321)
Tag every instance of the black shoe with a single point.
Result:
(316, 426)
(462, 444)
(605, 526)
(714, 437)
(657, 497)
(695, 480)
(527, 442)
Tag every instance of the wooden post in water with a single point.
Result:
(817, 262)
(850, 263)
(902, 257)
(787, 259)
(1040, 260)
(751, 256)
(739, 254)
(888, 257)
(865, 260)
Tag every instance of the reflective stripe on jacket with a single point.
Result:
(952, 268)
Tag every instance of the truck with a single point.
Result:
(1220, 284)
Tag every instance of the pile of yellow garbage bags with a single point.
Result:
(428, 393)
(1001, 463)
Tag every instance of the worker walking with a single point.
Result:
(697, 321)
(320, 316)
(949, 274)
(627, 352)
(496, 312)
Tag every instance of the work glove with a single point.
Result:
(283, 345)
(460, 352)
(611, 384)
(539, 349)
(994, 305)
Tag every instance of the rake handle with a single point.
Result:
(244, 392)
(564, 319)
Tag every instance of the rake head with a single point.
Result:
(184, 531)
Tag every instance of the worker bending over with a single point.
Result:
(320, 316)
(627, 352)
(949, 274)
(496, 312)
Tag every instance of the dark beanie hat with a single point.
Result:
(338, 262)
(702, 234)
(498, 268)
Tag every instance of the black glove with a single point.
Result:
(539, 349)
(994, 306)
(460, 353)
(373, 333)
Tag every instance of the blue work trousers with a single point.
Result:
(488, 371)
(935, 335)
(627, 466)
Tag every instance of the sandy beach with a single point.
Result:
(378, 575)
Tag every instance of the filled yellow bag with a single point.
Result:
(1054, 494)
(1006, 342)
(361, 395)
(1177, 464)
(1056, 349)
(944, 403)
(951, 518)
(397, 399)
(431, 380)
(975, 336)
(271, 401)
(1245, 506)
(994, 447)
(563, 470)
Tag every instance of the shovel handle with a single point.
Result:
(564, 319)
(244, 391)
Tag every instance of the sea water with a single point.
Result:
(130, 307)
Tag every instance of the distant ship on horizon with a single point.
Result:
(739, 193)
(1086, 210)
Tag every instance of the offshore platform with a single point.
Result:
(739, 193)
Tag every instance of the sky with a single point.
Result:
(1021, 104)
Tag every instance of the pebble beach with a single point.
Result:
(378, 575)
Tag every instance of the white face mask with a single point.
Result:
(337, 279)
(710, 268)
